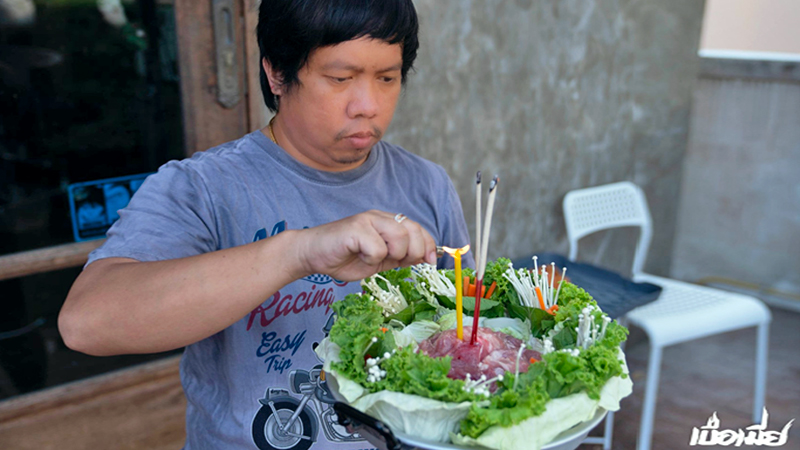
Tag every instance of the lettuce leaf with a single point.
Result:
(507, 407)
(541, 321)
(571, 300)
(358, 322)
(504, 292)
(418, 310)
(419, 374)
(532, 432)
(414, 415)
(510, 326)
(420, 330)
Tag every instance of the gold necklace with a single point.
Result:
(272, 133)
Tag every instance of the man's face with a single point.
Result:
(343, 104)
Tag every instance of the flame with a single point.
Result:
(452, 251)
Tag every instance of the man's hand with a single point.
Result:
(359, 246)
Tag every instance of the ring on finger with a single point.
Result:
(400, 217)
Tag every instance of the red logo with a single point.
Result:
(278, 305)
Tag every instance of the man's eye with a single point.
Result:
(388, 79)
(338, 79)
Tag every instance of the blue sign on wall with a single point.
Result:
(94, 204)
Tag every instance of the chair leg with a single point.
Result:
(762, 341)
(608, 433)
(650, 395)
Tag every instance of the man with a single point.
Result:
(237, 252)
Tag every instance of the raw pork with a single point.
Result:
(493, 354)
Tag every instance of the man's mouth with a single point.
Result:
(361, 139)
(362, 135)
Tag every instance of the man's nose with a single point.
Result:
(365, 101)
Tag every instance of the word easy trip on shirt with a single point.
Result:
(274, 348)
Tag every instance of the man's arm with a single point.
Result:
(120, 305)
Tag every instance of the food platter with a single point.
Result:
(382, 437)
(540, 374)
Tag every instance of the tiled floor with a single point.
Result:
(714, 374)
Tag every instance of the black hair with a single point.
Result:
(289, 30)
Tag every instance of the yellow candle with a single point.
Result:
(459, 294)
(456, 254)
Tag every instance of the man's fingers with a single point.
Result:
(430, 248)
(421, 247)
(416, 245)
(371, 247)
(389, 264)
(395, 234)
(408, 242)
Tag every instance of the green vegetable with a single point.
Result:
(510, 326)
(508, 407)
(541, 321)
(571, 300)
(489, 308)
(414, 311)
(358, 321)
(504, 293)
(564, 338)
(421, 330)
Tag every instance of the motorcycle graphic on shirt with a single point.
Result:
(292, 420)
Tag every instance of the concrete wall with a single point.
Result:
(740, 208)
(554, 96)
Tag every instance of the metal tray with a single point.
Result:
(381, 436)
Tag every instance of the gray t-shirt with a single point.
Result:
(246, 380)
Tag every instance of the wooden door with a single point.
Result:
(208, 66)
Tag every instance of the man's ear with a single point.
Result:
(273, 78)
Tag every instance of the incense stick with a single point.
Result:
(477, 251)
(481, 269)
(488, 224)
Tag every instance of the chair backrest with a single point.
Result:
(623, 204)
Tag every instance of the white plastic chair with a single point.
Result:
(682, 312)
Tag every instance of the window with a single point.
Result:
(88, 90)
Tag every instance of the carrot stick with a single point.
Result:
(539, 296)
(491, 290)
